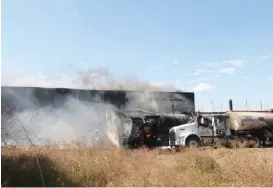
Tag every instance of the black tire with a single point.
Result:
(252, 142)
(257, 142)
(193, 142)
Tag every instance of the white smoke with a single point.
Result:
(72, 121)
(75, 119)
(92, 78)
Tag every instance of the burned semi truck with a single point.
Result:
(153, 130)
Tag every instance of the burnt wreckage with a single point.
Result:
(153, 130)
(150, 125)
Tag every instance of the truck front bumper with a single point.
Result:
(179, 142)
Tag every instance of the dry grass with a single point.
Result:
(107, 166)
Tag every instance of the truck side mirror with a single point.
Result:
(202, 120)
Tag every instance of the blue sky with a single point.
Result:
(219, 49)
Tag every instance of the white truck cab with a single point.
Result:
(201, 130)
(179, 134)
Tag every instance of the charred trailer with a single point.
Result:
(153, 131)
(251, 125)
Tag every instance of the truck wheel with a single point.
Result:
(193, 142)
(256, 142)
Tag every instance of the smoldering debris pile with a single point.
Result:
(25, 121)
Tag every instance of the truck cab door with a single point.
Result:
(206, 133)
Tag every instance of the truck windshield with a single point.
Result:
(136, 124)
(193, 120)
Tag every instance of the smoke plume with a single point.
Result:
(73, 119)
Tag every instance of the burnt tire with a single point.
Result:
(255, 142)
(193, 142)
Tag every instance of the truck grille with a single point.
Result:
(172, 136)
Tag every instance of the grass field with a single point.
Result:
(107, 166)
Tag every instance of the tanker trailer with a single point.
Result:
(252, 125)
(153, 130)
